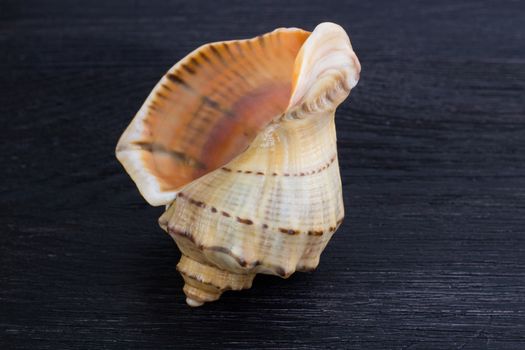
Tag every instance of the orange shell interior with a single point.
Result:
(211, 105)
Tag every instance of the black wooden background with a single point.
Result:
(431, 254)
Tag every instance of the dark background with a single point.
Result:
(431, 254)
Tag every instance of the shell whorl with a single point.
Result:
(239, 140)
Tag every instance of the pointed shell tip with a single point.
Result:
(193, 303)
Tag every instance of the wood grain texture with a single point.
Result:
(431, 254)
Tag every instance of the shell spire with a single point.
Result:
(238, 139)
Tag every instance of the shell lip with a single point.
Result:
(149, 186)
(325, 70)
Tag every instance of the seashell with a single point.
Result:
(238, 141)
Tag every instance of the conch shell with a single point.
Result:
(238, 141)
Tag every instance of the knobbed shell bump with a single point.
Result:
(238, 141)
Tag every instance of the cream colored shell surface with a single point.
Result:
(271, 210)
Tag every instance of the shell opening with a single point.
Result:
(210, 106)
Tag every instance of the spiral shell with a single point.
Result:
(238, 140)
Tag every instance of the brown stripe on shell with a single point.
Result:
(197, 203)
(229, 51)
(218, 55)
(177, 80)
(247, 63)
(216, 105)
(263, 40)
(289, 231)
(179, 156)
(166, 87)
(221, 57)
(245, 221)
(315, 233)
(205, 57)
(195, 62)
(188, 69)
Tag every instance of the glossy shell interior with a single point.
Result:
(207, 109)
